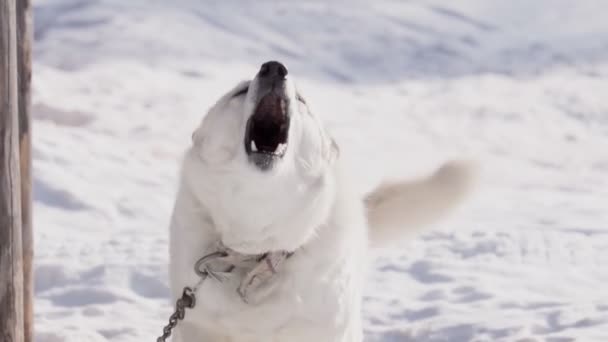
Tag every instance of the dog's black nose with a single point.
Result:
(273, 69)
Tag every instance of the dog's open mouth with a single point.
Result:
(267, 131)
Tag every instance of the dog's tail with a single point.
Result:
(397, 209)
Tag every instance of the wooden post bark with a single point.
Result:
(24, 76)
(11, 266)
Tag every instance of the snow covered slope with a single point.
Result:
(519, 85)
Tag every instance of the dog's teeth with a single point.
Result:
(281, 148)
(254, 148)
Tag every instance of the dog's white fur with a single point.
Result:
(303, 204)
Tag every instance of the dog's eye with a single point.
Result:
(241, 92)
(300, 98)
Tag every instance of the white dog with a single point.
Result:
(262, 183)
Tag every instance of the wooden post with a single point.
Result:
(24, 77)
(11, 262)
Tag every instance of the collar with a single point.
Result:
(259, 269)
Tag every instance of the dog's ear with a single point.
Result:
(197, 137)
(334, 152)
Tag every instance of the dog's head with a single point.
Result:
(264, 158)
(266, 123)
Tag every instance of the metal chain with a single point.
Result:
(188, 300)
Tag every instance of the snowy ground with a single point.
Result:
(519, 85)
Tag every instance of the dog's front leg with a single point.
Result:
(187, 332)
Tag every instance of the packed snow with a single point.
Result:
(519, 86)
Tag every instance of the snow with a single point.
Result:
(519, 86)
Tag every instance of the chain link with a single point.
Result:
(188, 298)
(187, 301)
